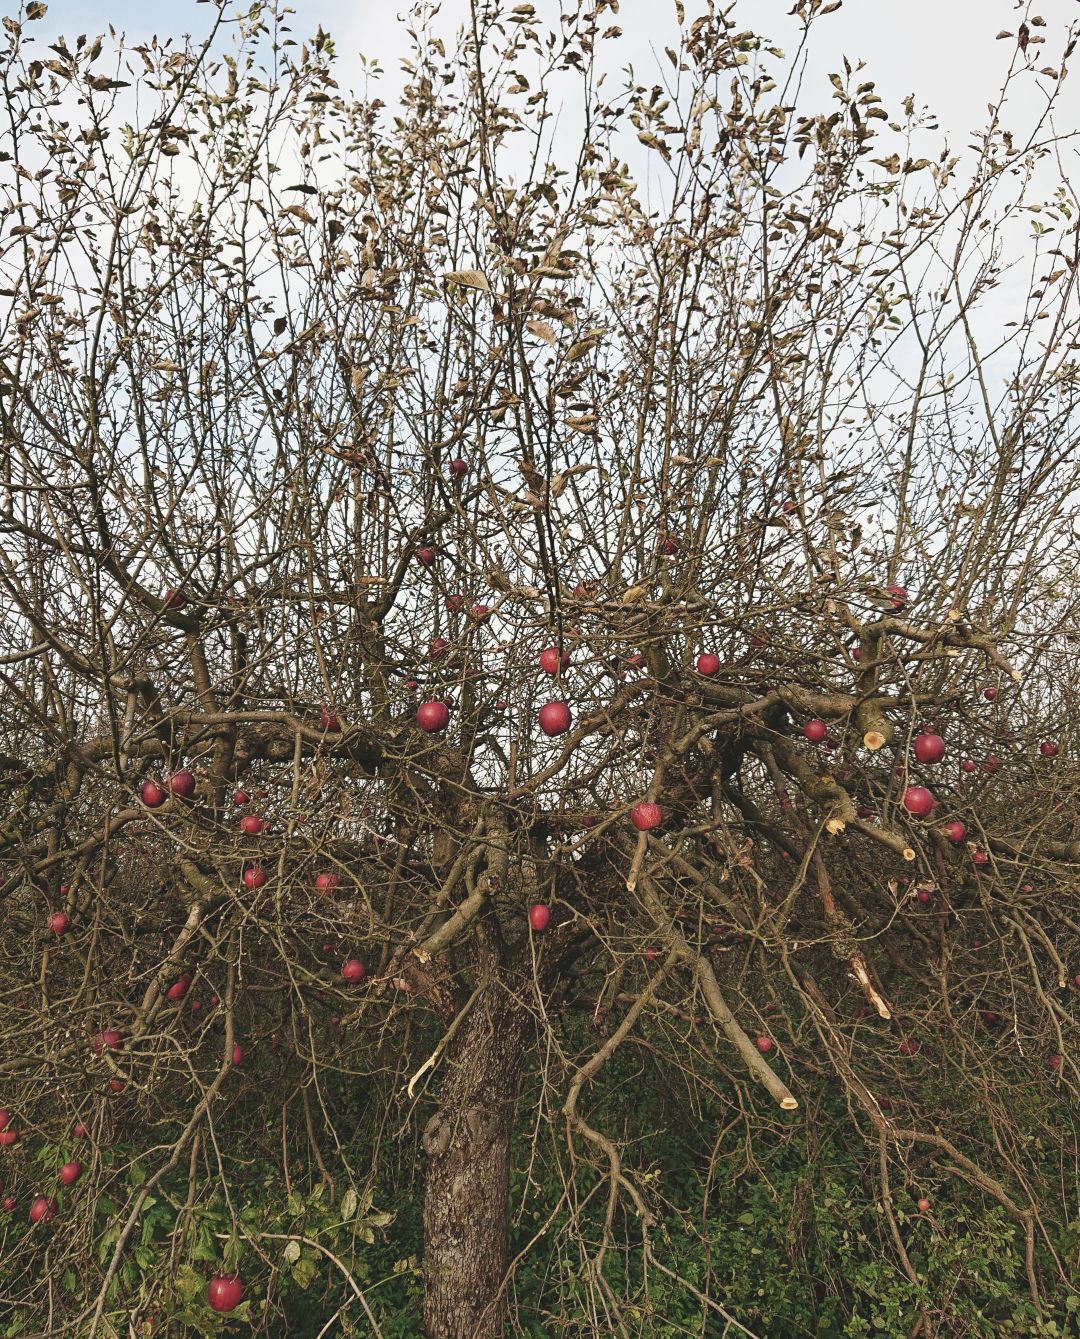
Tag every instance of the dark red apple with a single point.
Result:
(59, 922)
(551, 662)
(42, 1209)
(967, 765)
(70, 1173)
(179, 987)
(152, 795)
(182, 783)
(254, 876)
(329, 722)
(241, 797)
(929, 748)
(1054, 1062)
(909, 1046)
(925, 896)
(1049, 748)
(432, 716)
(991, 763)
(764, 1044)
(669, 545)
(251, 825)
(109, 1039)
(174, 599)
(80, 1130)
(480, 613)
(554, 718)
(539, 916)
(856, 653)
(645, 816)
(354, 970)
(326, 883)
(238, 1054)
(438, 648)
(898, 597)
(955, 831)
(918, 801)
(426, 557)
(459, 468)
(9, 1203)
(708, 664)
(224, 1292)
(989, 694)
(815, 731)
(453, 604)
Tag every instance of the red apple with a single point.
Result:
(326, 883)
(238, 1054)
(989, 694)
(329, 722)
(107, 1040)
(918, 801)
(909, 1046)
(651, 954)
(554, 718)
(967, 765)
(815, 730)
(182, 783)
(251, 825)
(980, 857)
(990, 1018)
(645, 816)
(224, 1292)
(539, 916)
(42, 1209)
(174, 599)
(923, 1206)
(152, 795)
(1049, 748)
(925, 896)
(459, 468)
(480, 613)
(669, 545)
(898, 595)
(179, 987)
(453, 604)
(9, 1203)
(991, 763)
(426, 557)
(80, 1130)
(432, 716)
(764, 1044)
(856, 653)
(1054, 1062)
(354, 970)
(929, 748)
(438, 648)
(241, 797)
(254, 876)
(9, 1137)
(551, 662)
(70, 1173)
(955, 831)
(59, 922)
(5, 1120)
(708, 664)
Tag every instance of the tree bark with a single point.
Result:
(468, 1179)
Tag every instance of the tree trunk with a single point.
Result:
(468, 1179)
